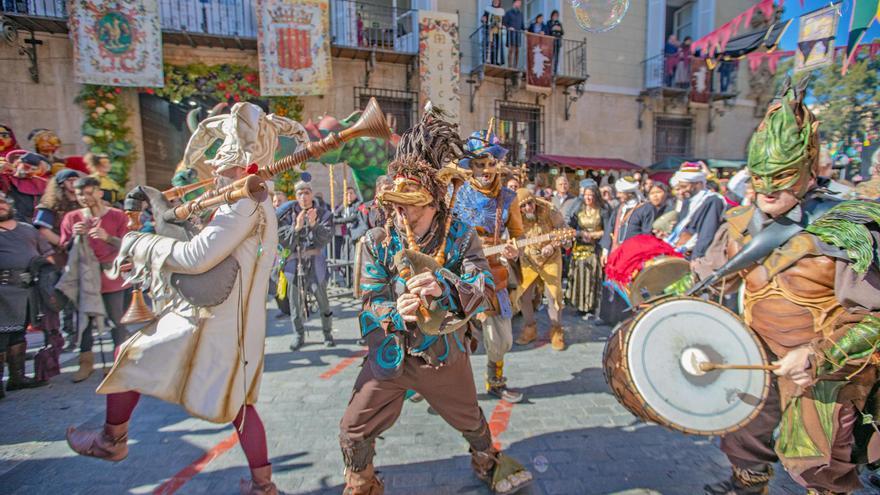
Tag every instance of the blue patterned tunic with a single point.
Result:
(464, 277)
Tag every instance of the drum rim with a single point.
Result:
(653, 412)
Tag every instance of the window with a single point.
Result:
(683, 21)
(520, 128)
(399, 106)
(672, 139)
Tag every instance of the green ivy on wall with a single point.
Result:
(104, 129)
(227, 83)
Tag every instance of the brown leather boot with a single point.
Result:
(743, 482)
(363, 482)
(528, 335)
(15, 356)
(86, 366)
(260, 482)
(496, 384)
(502, 473)
(557, 338)
(109, 443)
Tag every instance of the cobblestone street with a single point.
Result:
(570, 431)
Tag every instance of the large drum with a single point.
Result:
(647, 365)
(656, 275)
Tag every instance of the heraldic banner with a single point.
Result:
(816, 35)
(117, 43)
(293, 39)
(439, 68)
(539, 57)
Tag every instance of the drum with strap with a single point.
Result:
(659, 366)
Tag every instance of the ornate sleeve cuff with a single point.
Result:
(856, 346)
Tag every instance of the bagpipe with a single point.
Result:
(172, 220)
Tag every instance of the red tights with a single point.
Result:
(251, 434)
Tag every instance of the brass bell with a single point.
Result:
(138, 311)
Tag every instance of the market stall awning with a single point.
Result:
(584, 162)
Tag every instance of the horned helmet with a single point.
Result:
(784, 150)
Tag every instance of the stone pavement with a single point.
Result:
(571, 432)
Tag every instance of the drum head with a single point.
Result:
(657, 275)
(715, 403)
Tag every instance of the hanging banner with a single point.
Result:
(293, 43)
(539, 57)
(439, 67)
(701, 81)
(863, 14)
(116, 43)
(816, 35)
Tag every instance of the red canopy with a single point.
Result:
(585, 162)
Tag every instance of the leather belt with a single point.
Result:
(308, 253)
(15, 277)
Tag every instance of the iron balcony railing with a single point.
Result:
(353, 23)
(50, 9)
(224, 18)
(673, 71)
(506, 49)
(358, 24)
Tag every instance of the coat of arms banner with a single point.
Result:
(117, 43)
(293, 41)
(539, 58)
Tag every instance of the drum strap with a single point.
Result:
(769, 238)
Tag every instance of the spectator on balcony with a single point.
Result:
(538, 26)
(495, 22)
(726, 71)
(484, 37)
(683, 65)
(514, 21)
(554, 28)
(670, 58)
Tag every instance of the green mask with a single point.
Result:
(781, 152)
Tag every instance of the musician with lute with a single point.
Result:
(541, 262)
(491, 208)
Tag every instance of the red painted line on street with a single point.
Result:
(345, 363)
(498, 421)
(189, 472)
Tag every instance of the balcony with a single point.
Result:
(358, 29)
(362, 30)
(226, 24)
(670, 76)
(36, 15)
(491, 56)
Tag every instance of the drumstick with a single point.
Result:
(707, 366)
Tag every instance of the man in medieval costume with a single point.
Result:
(815, 303)
(630, 218)
(208, 358)
(25, 185)
(424, 278)
(492, 210)
(540, 263)
(702, 215)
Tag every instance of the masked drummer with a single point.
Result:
(815, 303)
(492, 209)
(401, 357)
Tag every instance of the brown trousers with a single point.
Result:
(375, 405)
(752, 448)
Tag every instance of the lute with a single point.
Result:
(556, 235)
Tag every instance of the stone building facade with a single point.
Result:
(610, 115)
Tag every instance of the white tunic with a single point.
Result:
(208, 360)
